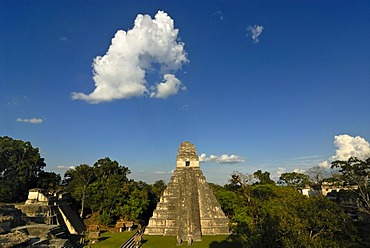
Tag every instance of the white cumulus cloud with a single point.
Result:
(255, 31)
(223, 159)
(170, 86)
(32, 120)
(121, 72)
(349, 146)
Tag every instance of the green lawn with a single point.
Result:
(112, 240)
(207, 242)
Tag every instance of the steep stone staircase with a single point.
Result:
(73, 222)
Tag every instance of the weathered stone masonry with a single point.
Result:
(188, 207)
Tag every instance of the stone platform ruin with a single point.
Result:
(188, 208)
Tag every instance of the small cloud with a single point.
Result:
(32, 120)
(66, 167)
(219, 14)
(298, 170)
(170, 86)
(255, 32)
(306, 157)
(324, 164)
(16, 101)
(223, 159)
(121, 72)
(162, 172)
(63, 38)
(279, 171)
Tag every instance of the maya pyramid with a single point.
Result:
(188, 207)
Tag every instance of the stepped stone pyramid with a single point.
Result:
(188, 208)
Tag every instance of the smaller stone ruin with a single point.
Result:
(44, 220)
(10, 217)
(14, 239)
(43, 208)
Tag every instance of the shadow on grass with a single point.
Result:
(103, 238)
(208, 241)
(229, 242)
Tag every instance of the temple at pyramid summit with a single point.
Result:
(188, 208)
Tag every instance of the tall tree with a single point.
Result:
(282, 217)
(317, 174)
(356, 176)
(241, 183)
(295, 180)
(78, 180)
(49, 181)
(263, 177)
(228, 199)
(105, 167)
(110, 191)
(20, 164)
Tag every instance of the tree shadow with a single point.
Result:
(230, 242)
(222, 244)
(103, 238)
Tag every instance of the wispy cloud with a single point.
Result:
(223, 159)
(121, 72)
(15, 101)
(219, 14)
(63, 38)
(254, 32)
(163, 172)
(32, 120)
(279, 171)
(306, 157)
(65, 167)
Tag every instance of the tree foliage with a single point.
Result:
(105, 189)
(263, 177)
(272, 216)
(78, 181)
(295, 180)
(355, 174)
(317, 174)
(49, 181)
(20, 166)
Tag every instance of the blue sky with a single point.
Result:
(270, 85)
